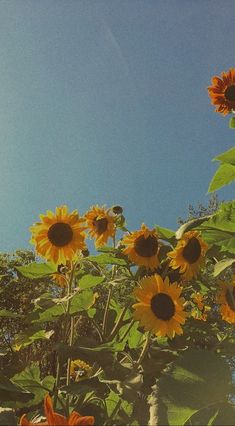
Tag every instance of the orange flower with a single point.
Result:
(222, 92)
(55, 419)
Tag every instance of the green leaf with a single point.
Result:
(227, 156)
(29, 336)
(165, 233)
(82, 301)
(224, 175)
(7, 417)
(88, 281)
(232, 123)
(198, 379)
(9, 391)
(30, 380)
(8, 314)
(220, 228)
(37, 270)
(222, 265)
(107, 259)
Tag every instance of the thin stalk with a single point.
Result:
(118, 324)
(70, 321)
(104, 327)
(99, 331)
(145, 348)
(105, 319)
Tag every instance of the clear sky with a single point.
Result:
(105, 102)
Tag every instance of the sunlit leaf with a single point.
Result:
(88, 281)
(37, 270)
(165, 233)
(224, 175)
(107, 259)
(227, 156)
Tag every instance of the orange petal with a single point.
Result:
(76, 420)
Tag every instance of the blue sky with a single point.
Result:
(105, 102)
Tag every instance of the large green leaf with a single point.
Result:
(224, 175)
(107, 259)
(31, 381)
(227, 156)
(29, 336)
(198, 379)
(220, 228)
(165, 233)
(10, 391)
(88, 281)
(37, 270)
(82, 301)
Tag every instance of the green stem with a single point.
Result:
(118, 324)
(145, 348)
(70, 321)
(104, 327)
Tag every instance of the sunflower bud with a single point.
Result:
(117, 209)
(85, 253)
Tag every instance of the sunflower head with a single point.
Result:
(101, 225)
(142, 247)
(189, 254)
(222, 92)
(80, 369)
(160, 307)
(59, 235)
(226, 299)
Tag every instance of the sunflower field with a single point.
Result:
(137, 331)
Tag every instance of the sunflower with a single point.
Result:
(222, 92)
(160, 308)
(226, 298)
(79, 368)
(101, 225)
(59, 235)
(53, 418)
(142, 247)
(188, 256)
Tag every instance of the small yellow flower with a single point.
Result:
(188, 255)
(142, 247)
(160, 307)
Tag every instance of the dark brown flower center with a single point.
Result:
(60, 234)
(163, 306)
(100, 225)
(146, 247)
(231, 300)
(230, 93)
(192, 251)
